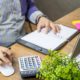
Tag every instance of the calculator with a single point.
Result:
(29, 66)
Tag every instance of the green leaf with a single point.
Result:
(58, 67)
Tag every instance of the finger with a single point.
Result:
(47, 28)
(8, 54)
(1, 63)
(6, 60)
(53, 27)
(1, 55)
(8, 51)
(57, 28)
(40, 26)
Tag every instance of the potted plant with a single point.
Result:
(58, 67)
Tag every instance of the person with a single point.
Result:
(12, 17)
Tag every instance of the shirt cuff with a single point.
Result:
(33, 17)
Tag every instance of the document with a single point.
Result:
(50, 40)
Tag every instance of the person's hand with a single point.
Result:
(48, 24)
(5, 56)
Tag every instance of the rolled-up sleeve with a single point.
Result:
(33, 11)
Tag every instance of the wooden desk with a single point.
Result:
(20, 50)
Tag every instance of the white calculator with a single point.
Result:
(29, 66)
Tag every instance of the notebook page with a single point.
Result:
(67, 32)
(50, 40)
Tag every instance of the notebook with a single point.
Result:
(43, 42)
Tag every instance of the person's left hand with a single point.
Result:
(47, 24)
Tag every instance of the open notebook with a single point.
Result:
(43, 42)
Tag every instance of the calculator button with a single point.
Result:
(26, 63)
(34, 62)
(38, 61)
(25, 72)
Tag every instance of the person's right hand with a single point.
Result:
(5, 56)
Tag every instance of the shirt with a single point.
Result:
(12, 18)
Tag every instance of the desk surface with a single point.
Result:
(20, 50)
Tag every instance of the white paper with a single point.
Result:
(50, 40)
